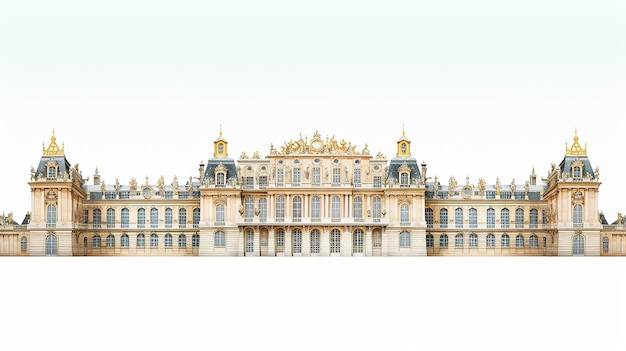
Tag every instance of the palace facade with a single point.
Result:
(314, 196)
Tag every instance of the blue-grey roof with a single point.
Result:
(397, 162)
(566, 165)
(64, 165)
(213, 163)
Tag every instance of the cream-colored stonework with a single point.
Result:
(313, 196)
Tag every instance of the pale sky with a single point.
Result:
(484, 89)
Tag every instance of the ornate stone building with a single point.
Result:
(313, 197)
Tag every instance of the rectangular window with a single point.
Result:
(169, 194)
(378, 182)
(263, 182)
(490, 195)
(109, 195)
(336, 176)
(473, 218)
(280, 241)
(296, 177)
(505, 195)
(316, 176)
(280, 177)
(85, 216)
(183, 195)
(249, 183)
(124, 195)
(356, 178)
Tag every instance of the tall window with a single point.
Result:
(443, 218)
(545, 242)
(182, 240)
(219, 214)
(110, 218)
(51, 245)
(280, 177)
(404, 179)
(505, 240)
(280, 208)
(154, 240)
(491, 218)
(141, 218)
(263, 210)
(195, 240)
(249, 241)
(404, 214)
(23, 243)
(85, 217)
(356, 177)
(491, 240)
(443, 240)
(458, 240)
(182, 218)
(534, 218)
(519, 240)
(428, 213)
(578, 245)
(96, 241)
(124, 241)
(473, 240)
(168, 240)
(154, 218)
(336, 176)
(51, 216)
(296, 241)
(220, 239)
(296, 176)
(458, 218)
(405, 239)
(168, 217)
(605, 243)
(504, 218)
(297, 209)
(316, 176)
(378, 181)
(220, 179)
(357, 241)
(280, 240)
(336, 209)
(533, 242)
(377, 239)
(110, 240)
(125, 222)
(430, 240)
(315, 209)
(376, 209)
(315, 241)
(577, 172)
(473, 218)
(578, 216)
(335, 241)
(196, 217)
(519, 218)
(249, 209)
(141, 240)
(357, 209)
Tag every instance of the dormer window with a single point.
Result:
(577, 169)
(52, 169)
(404, 175)
(220, 179)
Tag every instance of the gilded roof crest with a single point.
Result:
(575, 150)
(53, 149)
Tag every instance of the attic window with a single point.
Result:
(52, 169)
(52, 172)
(220, 179)
(577, 169)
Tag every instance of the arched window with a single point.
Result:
(23, 243)
(578, 245)
(491, 218)
(335, 241)
(125, 220)
(195, 240)
(249, 209)
(430, 240)
(534, 218)
(519, 218)
(533, 242)
(473, 218)
(458, 218)
(110, 240)
(51, 216)
(219, 214)
(578, 216)
(315, 209)
(110, 218)
(97, 218)
(51, 245)
(154, 240)
(196, 217)
(168, 240)
(404, 214)
(249, 241)
(296, 241)
(280, 240)
(357, 210)
(605, 243)
(168, 217)
(52, 170)
(519, 240)
(458, 240)
(545, 242)
(141, 240)
(504, 218)
(85, 241)
(443, 240)
(473, 240)
(280, 208)
(428, 213)
(220, 179)
(220, 239)
(96, 241)
(491, 240)
(182, 240)
(357, 241)
(405, 239)
(124, 240)
(443, 218)
(377, 239)
(154, 218)
(376, 209)
(182, 218)
(404, 179)
(297, 209)
(141, 218)
(505, 240)
(336, 209)
(315, 241)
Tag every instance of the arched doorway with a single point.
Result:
(51, 245)
(578, 245)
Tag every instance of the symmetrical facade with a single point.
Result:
(313, 197)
